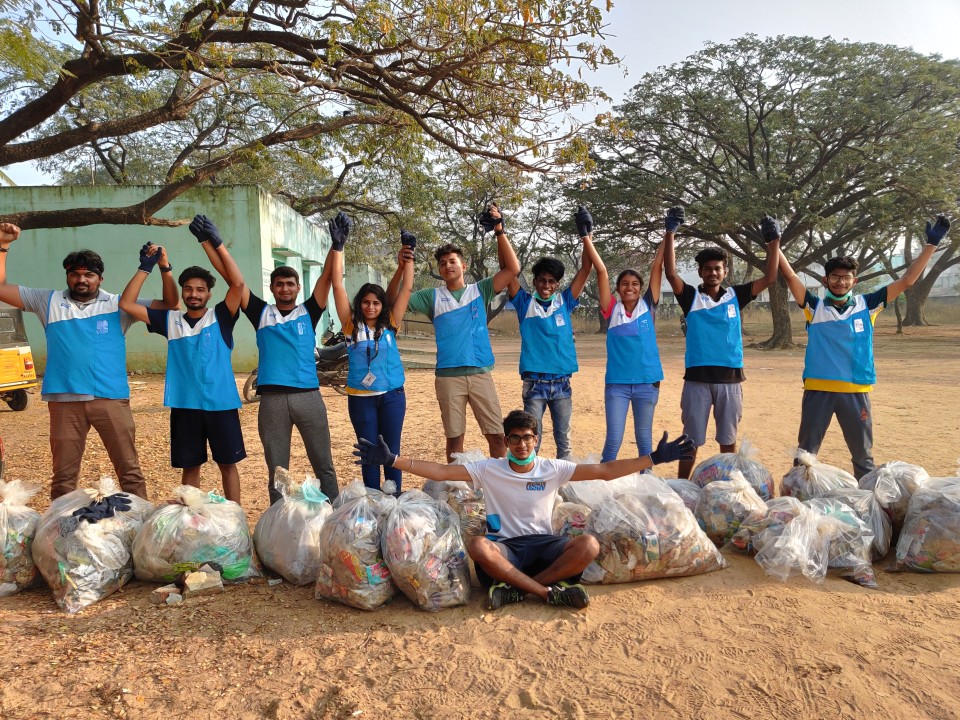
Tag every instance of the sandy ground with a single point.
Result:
(731, 644)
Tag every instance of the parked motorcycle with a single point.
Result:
(332, 367)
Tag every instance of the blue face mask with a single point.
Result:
(839, 298)
(521, 463)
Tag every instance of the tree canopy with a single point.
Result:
(305, 92)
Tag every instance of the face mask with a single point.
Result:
(543, 299)
(839, 298)
(521, 463)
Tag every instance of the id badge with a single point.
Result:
(560, 321)
(858, 325)
(731, 311)
(369, 379)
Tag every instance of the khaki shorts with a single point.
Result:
(453, 394)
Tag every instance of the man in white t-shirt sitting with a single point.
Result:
(520, 554)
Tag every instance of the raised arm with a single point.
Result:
(208, 235)
(667, 451)
(10, 294)
(340, 299)
(509, 264)
(603, 277)
(656, 274)
(379, 454)
(935, 233)
(171, 295)
(770, 232)
(150, 255)
(340, 226)
(405, 270)
(797, 289)
(674, 220)
(584, 222)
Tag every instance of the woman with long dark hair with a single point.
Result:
(376, 399)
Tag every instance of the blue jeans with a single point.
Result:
(538, 395)
(379, 415)
(617, 399)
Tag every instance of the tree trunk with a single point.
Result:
(896, 309)
(780, 310)
(916, 300)
(604, 323)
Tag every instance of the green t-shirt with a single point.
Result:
(422, 302)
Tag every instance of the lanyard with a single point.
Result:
(376, 346)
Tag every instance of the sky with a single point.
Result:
(647, 34)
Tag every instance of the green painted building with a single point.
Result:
(261, 232)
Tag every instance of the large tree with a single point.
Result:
(845, 142)
(203, 88)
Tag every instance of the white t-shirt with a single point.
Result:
(520, 503)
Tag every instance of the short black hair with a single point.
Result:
(709, 254)
(285, 271)
(842, 262)
(624, 273)
(195, 271)
(447, 250)
(519, 420)
(84, 259)
(550, 266)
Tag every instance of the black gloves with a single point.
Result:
(769, 229)
(408, 239)
(103, 509)
(488, 222)
(203, 229)
(584, 221)
(936, 233)
(147, 261)
(667, 451)
(339, 230)
(371, 454)
(674, 219)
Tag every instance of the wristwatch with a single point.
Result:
(165, 268)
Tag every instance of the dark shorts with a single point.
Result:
(191, 430)
(530, 554)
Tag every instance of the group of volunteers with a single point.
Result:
(85, 383)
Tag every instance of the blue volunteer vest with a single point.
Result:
(384, 361)
(546, 338)
(840, 347)
(86, 352)
(199, 375)
(461, 329)
(633, 357)
(286, 344)
(713, 331)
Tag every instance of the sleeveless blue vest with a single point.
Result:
(713, 331)
(384, 362)
(285, 344)
(86, 352)
(840, 347)
(546, 338)
(461, 329)
(633, 357)
(199, 375)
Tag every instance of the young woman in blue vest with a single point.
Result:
(838, 369)
(633, 359)
(376, 400)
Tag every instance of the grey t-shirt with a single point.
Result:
(37, 301)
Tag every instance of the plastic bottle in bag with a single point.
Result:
(720, 466)
(18, 525)
(724, 504)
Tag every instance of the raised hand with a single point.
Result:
(339, 226)
(490, 218)
(584, 221)
(669, 450)
(674, 219)
(769, 229)
(8, 233)
(371, 454)
(150, 255)
(408, 239)
(937, 232)
(204, 230)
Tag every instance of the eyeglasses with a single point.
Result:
(841, 278)
(517, 439)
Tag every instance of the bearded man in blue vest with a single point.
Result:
(714, 354)
(838, 368)
(85, 383)
(200, 387)
(465, 360)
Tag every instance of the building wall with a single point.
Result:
(259, 231)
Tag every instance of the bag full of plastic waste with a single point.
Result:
(894, 483)
(810, 478)
(930, 539)
(724, 504)
(18, 525)
(745, 460)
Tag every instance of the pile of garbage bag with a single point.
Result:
(83, 543)
(688, 491)
(352, 569)
(724, 504)
(810, 478)
(720, 466)
(750, 536)
(18, 524)
(197, 529)
(868, 508)
(287, 535)
(894, 483)
(930, 538)
(424, 550)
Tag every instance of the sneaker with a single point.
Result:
(502, 594)
(563, 593)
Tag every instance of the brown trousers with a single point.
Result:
(70, 423)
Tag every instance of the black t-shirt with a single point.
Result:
(715, 373)
(225, 321)
(254, 311)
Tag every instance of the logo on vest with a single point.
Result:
(299, 328)
(102, 327)
(537, 485)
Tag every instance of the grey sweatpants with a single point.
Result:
(279, 412)
(855, 418)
